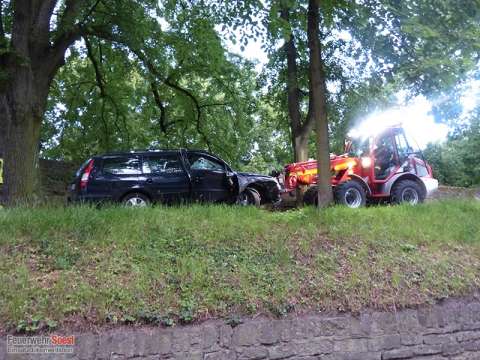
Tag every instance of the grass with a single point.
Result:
(79, 266)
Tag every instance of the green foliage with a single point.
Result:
(371, 50)
(150, 76)
(455, 162)
(152, 266)
(162, 77)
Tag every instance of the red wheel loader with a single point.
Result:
(382, 167)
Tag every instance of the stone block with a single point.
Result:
(282, 351)
(252, 353)
(85, 346)
(315, 346)
(246, 334)
(386, 342)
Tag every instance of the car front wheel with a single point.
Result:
(249, 197)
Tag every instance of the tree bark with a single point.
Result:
(22, 104)
(300, 129)
(28, 66)
(318, 104)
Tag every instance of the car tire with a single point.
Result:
(407, 192)
(351, 194)
(311, 196)
(249, 197)
(135, 200)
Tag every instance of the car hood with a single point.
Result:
(245, 179)
(256, 176)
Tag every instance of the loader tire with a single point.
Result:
(407, 192)
(351, 194)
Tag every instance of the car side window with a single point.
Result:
(202, 162)
(122, 165)
(162, 164)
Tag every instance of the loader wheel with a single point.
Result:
(407, 192)
(351, 194)
(310, 197)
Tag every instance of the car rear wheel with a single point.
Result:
(407, 192)
(351, 194)
(135, 200)
(249, 197)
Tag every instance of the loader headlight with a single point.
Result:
(366, 162)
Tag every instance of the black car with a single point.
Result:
(139, 178)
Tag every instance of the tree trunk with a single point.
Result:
(318, 104)
(300, 148)
(27, 67)
(300, 130)
(20, 115)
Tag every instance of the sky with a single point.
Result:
(415, 114)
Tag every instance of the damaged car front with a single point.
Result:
(261, 189)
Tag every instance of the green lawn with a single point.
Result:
(60, 266)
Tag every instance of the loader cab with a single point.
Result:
(387, 154)
(392, 152)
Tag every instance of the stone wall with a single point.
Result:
(448, 330)
(54, 177)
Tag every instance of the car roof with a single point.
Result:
(151, 151)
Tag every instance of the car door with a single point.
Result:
(120, 174)
(210, 178)
(165, 177)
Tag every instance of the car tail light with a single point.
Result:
(86, 175)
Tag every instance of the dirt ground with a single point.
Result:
(443, 192)
(449, 192)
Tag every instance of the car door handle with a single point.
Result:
(149, 180)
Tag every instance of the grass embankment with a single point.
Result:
(81, 265)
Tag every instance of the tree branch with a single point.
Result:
(42, 23)
(90, 11)
(214, 104)
(2, 29)
(160, 105)
(98, 74)
(106, 35)
(197, 107)
(100, 81)
(292, 79)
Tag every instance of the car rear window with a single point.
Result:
(162, 164)
(122, 165)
